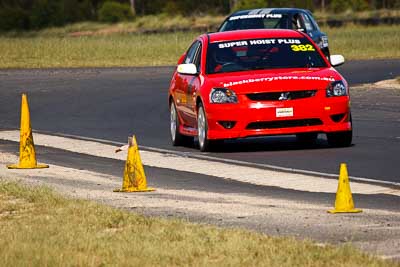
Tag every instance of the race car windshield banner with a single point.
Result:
(269, 53)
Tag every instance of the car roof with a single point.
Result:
(269, 10)
(256, 34)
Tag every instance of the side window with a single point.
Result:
(307, 23)
(314, 23)
(191, 54)
(297, 22)
(197, 57)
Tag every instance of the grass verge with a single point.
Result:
(41, 228)
(93, 51)
(357, 42)
(49, 49)
(349, 15)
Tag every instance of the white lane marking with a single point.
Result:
(227, 171)
(231, 161)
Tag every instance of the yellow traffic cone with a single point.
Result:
(344, 201)
(134, 178)
(27, 155)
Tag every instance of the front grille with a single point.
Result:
(283, 124)
(275, 96)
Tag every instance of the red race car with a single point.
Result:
(257, 83)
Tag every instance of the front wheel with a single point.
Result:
(177, 138)
(205, 144)
(202, 129)
(307, 138)
(340, 139)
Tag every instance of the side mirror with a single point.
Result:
(187, 69)
(336, 60)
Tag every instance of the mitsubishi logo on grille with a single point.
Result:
(284, 96)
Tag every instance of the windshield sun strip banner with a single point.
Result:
(256, 16)
(278, 78)
(258, 42)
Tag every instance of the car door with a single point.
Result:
(187, 86)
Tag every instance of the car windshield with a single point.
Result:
(257, 54)
(256, 21)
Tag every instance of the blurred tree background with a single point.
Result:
(37, 14)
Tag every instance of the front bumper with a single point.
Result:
(260, 118)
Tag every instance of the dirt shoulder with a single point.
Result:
(386, 84)
(375, 231)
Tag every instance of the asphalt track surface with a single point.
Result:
(113, 103)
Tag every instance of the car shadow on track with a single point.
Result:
(270, 143)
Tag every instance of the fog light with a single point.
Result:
(227, 124)
(338, 117)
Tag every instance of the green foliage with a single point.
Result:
(146, 7)
(172, 8)
(38, 14)
(114, 12)
(189, 7)
(307, 4)
(13, 18)
(46, 13)
(359, 5)
(338, 6)
(249, 4)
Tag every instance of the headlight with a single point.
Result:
(336, 88)
(222, 95)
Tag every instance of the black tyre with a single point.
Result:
(307, 138)
(177, 139)
(202, 130)
(205, 144)
(341, 139)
